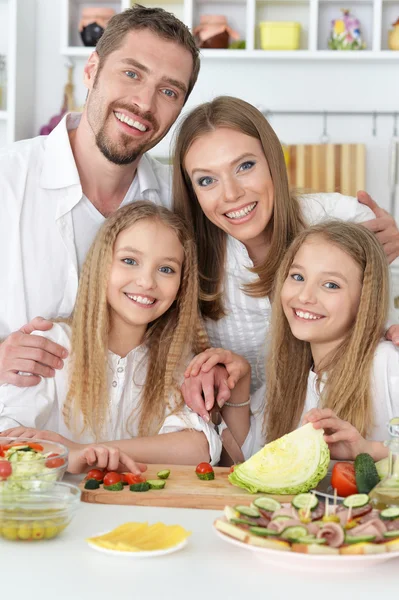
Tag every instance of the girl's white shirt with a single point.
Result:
(41, 406)
(384, 390)
(246, 327)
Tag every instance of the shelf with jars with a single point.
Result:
(265, 29)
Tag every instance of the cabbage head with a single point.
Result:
(292, 464)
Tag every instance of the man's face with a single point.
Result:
(137, 94)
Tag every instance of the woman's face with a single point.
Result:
(231, 179)
(321, 294)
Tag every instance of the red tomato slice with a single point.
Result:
(95, 474)
(53, 462)
(5, 469)
(111, 478)
(343, 479)
(131, 478)
(204, 468)
(33, 445)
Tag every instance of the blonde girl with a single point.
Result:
(134, 327)
(328, 360)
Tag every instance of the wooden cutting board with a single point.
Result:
(327, 167)
(183, 489)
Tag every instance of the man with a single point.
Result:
(57, 191)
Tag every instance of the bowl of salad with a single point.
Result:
(37, 515)
(31, 464)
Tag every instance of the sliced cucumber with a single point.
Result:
(267, 503)
(392, 534)
(294, 532)
(311, 539)
(308, 501)
(156, 484)
(242, 522)
(248, 511)
(282, 518)
(262, 531)
(163, 474)
(356, 501)
(357, 539)
(389, 514)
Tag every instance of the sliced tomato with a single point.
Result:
(95, 474)
(204, 468)
(132, 478)
(32, 445)
(343, 479)
(54, 461)
(5, 469)
(1, 451)
(111, 478)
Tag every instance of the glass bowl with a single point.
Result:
(48, 463)
(37, 515)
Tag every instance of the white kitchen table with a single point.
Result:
(66, 568)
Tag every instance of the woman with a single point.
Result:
(230, 181)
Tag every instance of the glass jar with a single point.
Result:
(386, 493)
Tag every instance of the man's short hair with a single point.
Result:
(159, 21)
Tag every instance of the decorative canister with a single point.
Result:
(94, 20)
(214, 32)
(346, 33)
(393, 36)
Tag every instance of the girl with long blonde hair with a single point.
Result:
(230, 181)
(134, 327)
(328, 361)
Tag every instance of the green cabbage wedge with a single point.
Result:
(292, 464)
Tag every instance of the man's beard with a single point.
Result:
(114, 153)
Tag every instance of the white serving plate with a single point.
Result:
(140, 554)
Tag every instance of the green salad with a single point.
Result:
(21, 464)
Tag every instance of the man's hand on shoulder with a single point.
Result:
(22, 352)
(384, 226)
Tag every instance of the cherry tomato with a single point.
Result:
(343, 479)
(232, 468)
(54, 463)
(95, 474)
(5, 469)
(131, 478)
(204, 468)
(111, 478)
(1, 451)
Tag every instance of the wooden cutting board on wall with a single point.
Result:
(327, 167)
(183, 489)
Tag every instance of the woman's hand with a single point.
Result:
(28, 433)
(344, 440)
(393, 334)
(201, 391)
(236, 366)
(103, 457)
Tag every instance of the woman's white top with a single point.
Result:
(384, 390)
(41, 406)
(245, 328)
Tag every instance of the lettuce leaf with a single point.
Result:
(292, 464)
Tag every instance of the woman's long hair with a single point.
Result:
(169, 339)
(347, 371)
(286, 221)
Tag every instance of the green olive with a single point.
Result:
(24, 531)
(38, 530)
(50, 529)
(9, 530)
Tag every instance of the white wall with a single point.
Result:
(317, 85)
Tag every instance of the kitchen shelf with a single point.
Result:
(315, 16)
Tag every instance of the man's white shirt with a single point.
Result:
(39, 190)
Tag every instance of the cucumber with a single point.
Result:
(262, 531)
(357, 539)
(242, 522)
(282, 518)
(140, 487)
(389, 514)
(156, 484)
(356, 501)
(294, 533)
(163, 474)
(391, 534)
(115, 487)
(248, 511)
(267, 503)
(92, 484)
(311, 539)
(366, 473)
(307, 501)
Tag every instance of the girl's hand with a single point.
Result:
(344, 440)
(237, 366)
(28, 433)
(103, 457)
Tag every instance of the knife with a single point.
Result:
(230, 444)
